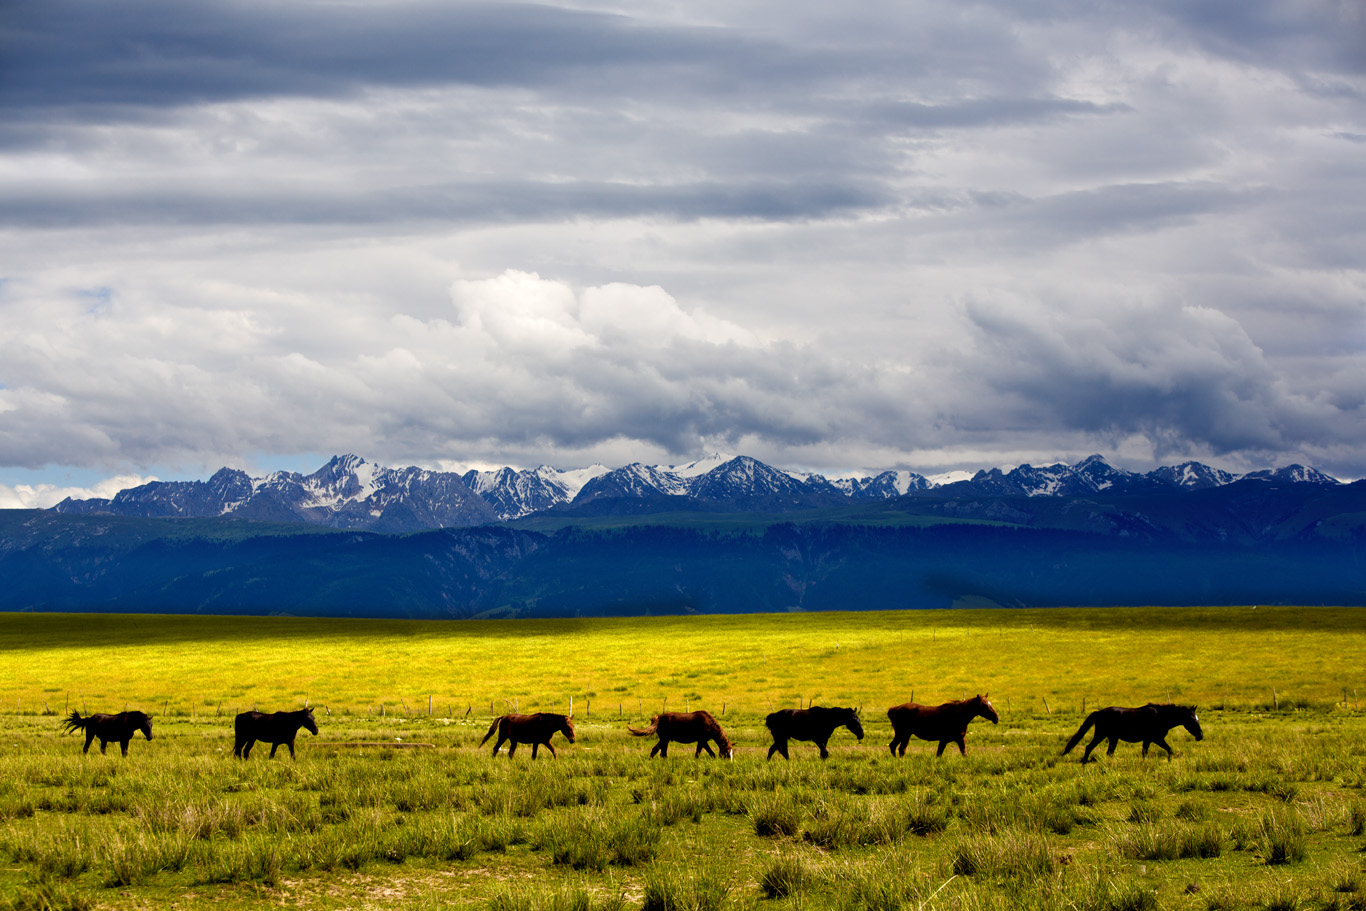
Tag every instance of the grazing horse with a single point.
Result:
(947, 723)
(274, 728)
(534, 729)
(686, 727)
(119, 728)
(815, 724)
(1148, 723)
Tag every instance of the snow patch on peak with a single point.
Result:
(697, 467)
(573, 479)
(949, 477)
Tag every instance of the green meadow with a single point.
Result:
(195, 666)
(1267, 812)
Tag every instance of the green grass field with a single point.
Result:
(1268, 812)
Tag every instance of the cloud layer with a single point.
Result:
(896, 235)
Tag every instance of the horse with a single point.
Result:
(815, 724)
(274, 728)
(119, 728)
(947, 723)
(686, 727)
(1148, 723)
(534, 729)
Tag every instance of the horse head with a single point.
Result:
(853, 723)
(567, 727)
(144, 724)
(1191, 722)
(987, 710)
(309, 724)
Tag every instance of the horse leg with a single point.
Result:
(825, 754)
(1095, 742)
(512, 748)
(498, 745)
(940, 751)
(103, 745)
(123, 744)
(237, 748)
(273, 748)
(553, 754)
(291, 751)
(962, 746)
(535, 745)
(892, 746)
(1162, 742)
(1146, 744)
(246, 748)
(703, 745)
(1110, 750)
(89, 738)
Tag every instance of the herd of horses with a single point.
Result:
(948, 723)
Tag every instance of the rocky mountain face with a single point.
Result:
(351, 493)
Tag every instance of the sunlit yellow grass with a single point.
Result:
(749, 664)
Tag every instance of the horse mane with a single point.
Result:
(714, 728)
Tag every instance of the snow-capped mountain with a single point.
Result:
(349, 492)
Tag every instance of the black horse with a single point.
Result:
(534, 729)
(274, 728)
(1147, 723)
(119, 728)
(815, 724)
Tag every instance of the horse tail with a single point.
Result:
(493, 727)
(1081, 732)
(74, 722)
(654, 727)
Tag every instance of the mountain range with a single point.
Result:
(716, 536)
(352, 493)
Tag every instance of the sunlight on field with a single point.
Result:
(1029, 661)
(1266, 811)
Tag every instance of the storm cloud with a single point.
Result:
(879, 236)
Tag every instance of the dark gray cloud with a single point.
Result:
(82, 54)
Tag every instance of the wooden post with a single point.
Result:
(1275, 700)
(1045, 706)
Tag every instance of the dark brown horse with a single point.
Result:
(815, 724)
(1147, 723)
(119, 728)
(274, 728)
(534, 729)
(947, 723)
(686, 727)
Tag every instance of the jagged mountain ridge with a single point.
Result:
(351, 493)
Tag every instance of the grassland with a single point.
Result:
(1269, 811)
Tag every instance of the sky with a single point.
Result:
(835, 237)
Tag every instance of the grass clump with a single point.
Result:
(1008, 855)
(1283, 837)
(786, 875)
